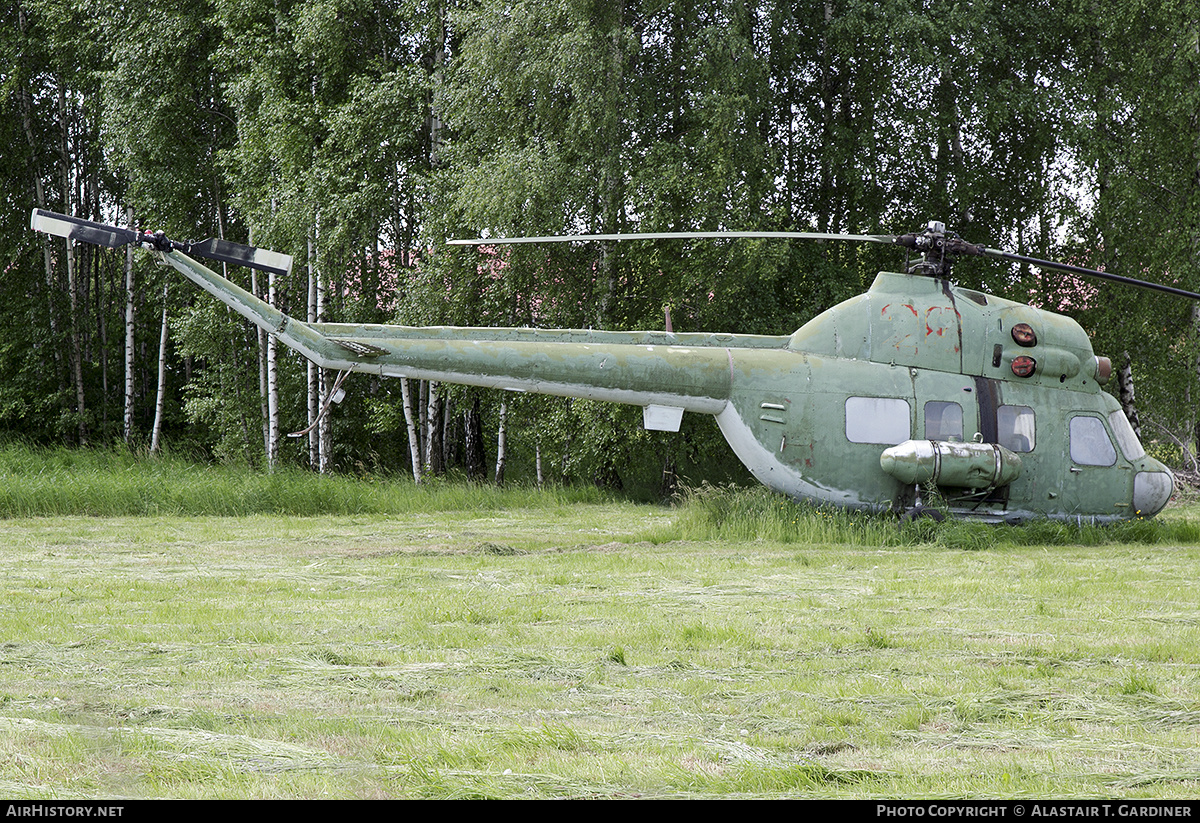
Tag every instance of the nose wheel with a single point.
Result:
(919, 510)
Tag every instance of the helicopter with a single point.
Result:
(916, 387)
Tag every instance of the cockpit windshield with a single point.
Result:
(1131, 447)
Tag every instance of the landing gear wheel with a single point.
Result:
(917, 512)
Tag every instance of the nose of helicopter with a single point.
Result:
(1152, 488)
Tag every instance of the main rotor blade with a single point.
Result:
(677, 235)
(1103, 275)
(84, 231)
(954, 246)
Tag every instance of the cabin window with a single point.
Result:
(1126, 438)
(1015, 428)
(943, 421)
(1090, 444)
(877, 420)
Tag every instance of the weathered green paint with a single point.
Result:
(811, 413)
(952, 464)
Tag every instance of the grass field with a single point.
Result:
(548, 646)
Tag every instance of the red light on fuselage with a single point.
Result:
(1024, 366)
(1023, 335)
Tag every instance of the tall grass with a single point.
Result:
(37, 482)
(734, 514)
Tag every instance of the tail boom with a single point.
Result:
(608, 366)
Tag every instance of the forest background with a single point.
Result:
(358, 136)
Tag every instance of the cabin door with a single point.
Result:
(1098, 480)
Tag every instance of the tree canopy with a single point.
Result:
(358, 136)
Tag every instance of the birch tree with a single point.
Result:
(1138, 86)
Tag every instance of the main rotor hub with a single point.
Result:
(937, 248)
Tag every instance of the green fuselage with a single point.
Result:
(810, 414)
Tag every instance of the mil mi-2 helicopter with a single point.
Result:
(916, 385)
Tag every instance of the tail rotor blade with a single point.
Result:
(113, 237)
(235, 253)
(83, 231)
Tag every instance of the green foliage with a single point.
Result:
(166, 118)
(1141, 93)
(358, 136)
(224, 398)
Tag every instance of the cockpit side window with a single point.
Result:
(1131, 447)
(943, 421)
(1090, 443)
(883, 420)
(1015, 428)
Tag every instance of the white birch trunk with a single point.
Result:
(160, 397)
(264, 407)
(1126, 393)
(324, 429)
(314, 387)
(435, 431)
(410, 419)
(272, 387)
(422, 399)
(501, 441)
(130, 310)
(263, 394)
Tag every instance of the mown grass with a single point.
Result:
(574, 648)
